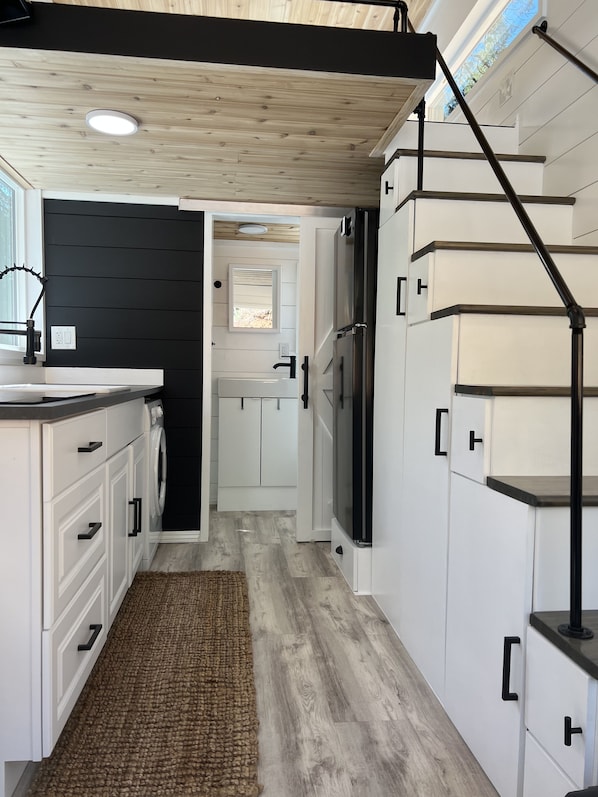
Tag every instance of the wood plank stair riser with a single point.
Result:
(519, 350)
(521, 436)
(469, 175)
(481, 220)
(456, 277)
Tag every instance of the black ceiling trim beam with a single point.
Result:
(224, 41)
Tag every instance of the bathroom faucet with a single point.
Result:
(292, 366)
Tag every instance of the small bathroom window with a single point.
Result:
(254, 298)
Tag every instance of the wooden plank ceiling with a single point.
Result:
(207, 131)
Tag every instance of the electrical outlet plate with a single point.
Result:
(63, 337)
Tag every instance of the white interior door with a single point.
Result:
(316, 333)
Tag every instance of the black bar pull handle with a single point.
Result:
(136, 504)
(93, 446)
(305, 394)
(93, 530)
(506, 668)
(341, 369)
(387, 187)
(420, 286)
(399, 281)
(473, 440)
(569, 731)
(438, 452)
(96, 628)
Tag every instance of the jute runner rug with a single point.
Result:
(169, 709)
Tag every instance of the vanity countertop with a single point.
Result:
(52, 410)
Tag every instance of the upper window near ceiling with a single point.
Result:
(513, 19)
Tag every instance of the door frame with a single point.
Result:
(223, 210)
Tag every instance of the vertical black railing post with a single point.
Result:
(421, 119)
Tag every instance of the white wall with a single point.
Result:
(248, 354)
(555, 105)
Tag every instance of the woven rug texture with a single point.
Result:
(169, 709)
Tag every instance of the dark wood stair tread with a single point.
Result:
(467, 246)
(531, 391)
(456, 155)
(506, 309)
(543, 490)
(475, 196)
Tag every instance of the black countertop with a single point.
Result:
(63, 408)
(583, 652)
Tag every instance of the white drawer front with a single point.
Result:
(71, 449)
(470, 436)
(65, 667)
(388, 192)
(542, 777)
(557, 688)
(74, 541)
(124, 424)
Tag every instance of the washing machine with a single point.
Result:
(156, 476)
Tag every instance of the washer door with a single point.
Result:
(157, 466)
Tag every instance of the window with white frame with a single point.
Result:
(498, 30)
(14, 292)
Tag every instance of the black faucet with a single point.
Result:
(292, 366)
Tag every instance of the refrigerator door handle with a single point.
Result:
(305, 394)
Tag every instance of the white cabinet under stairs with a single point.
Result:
(472, 430)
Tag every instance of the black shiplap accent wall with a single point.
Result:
(130, 279)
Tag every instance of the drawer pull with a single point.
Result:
(506, 668)
(473, 440)
(438, 452)
(398, 308)
(93, 446)
(387, 187)
(96, 628)
(569, 731)
(136, 503)
(420, 286)
(93, 530)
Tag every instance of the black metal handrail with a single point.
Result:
(574, 628)
(540, 30)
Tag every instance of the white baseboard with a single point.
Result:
(180, 536)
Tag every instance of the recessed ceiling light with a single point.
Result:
(113, 123)
(253, 229)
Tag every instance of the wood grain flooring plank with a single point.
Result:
(343, 710)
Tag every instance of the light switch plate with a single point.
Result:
(63, 337)
(283, 350)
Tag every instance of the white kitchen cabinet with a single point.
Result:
(488, 604)
(542, 777)
(257, 453)
(558, 694)
(137, 497)
(54, 540)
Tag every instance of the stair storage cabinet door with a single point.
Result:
(488, 605)
(389, 392)
(423, 532)
(239, 442)
(279, 442)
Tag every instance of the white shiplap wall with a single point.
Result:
(248, 354)
(555, 106)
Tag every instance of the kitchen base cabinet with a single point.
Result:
(542, 777)
(61, 482)
(488, 605)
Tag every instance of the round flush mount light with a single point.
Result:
(253, 229)
(113, 123)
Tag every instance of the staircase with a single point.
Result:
(472, 439)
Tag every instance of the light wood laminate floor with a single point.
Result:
(343, 710)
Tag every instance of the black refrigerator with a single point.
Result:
(353, 375)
